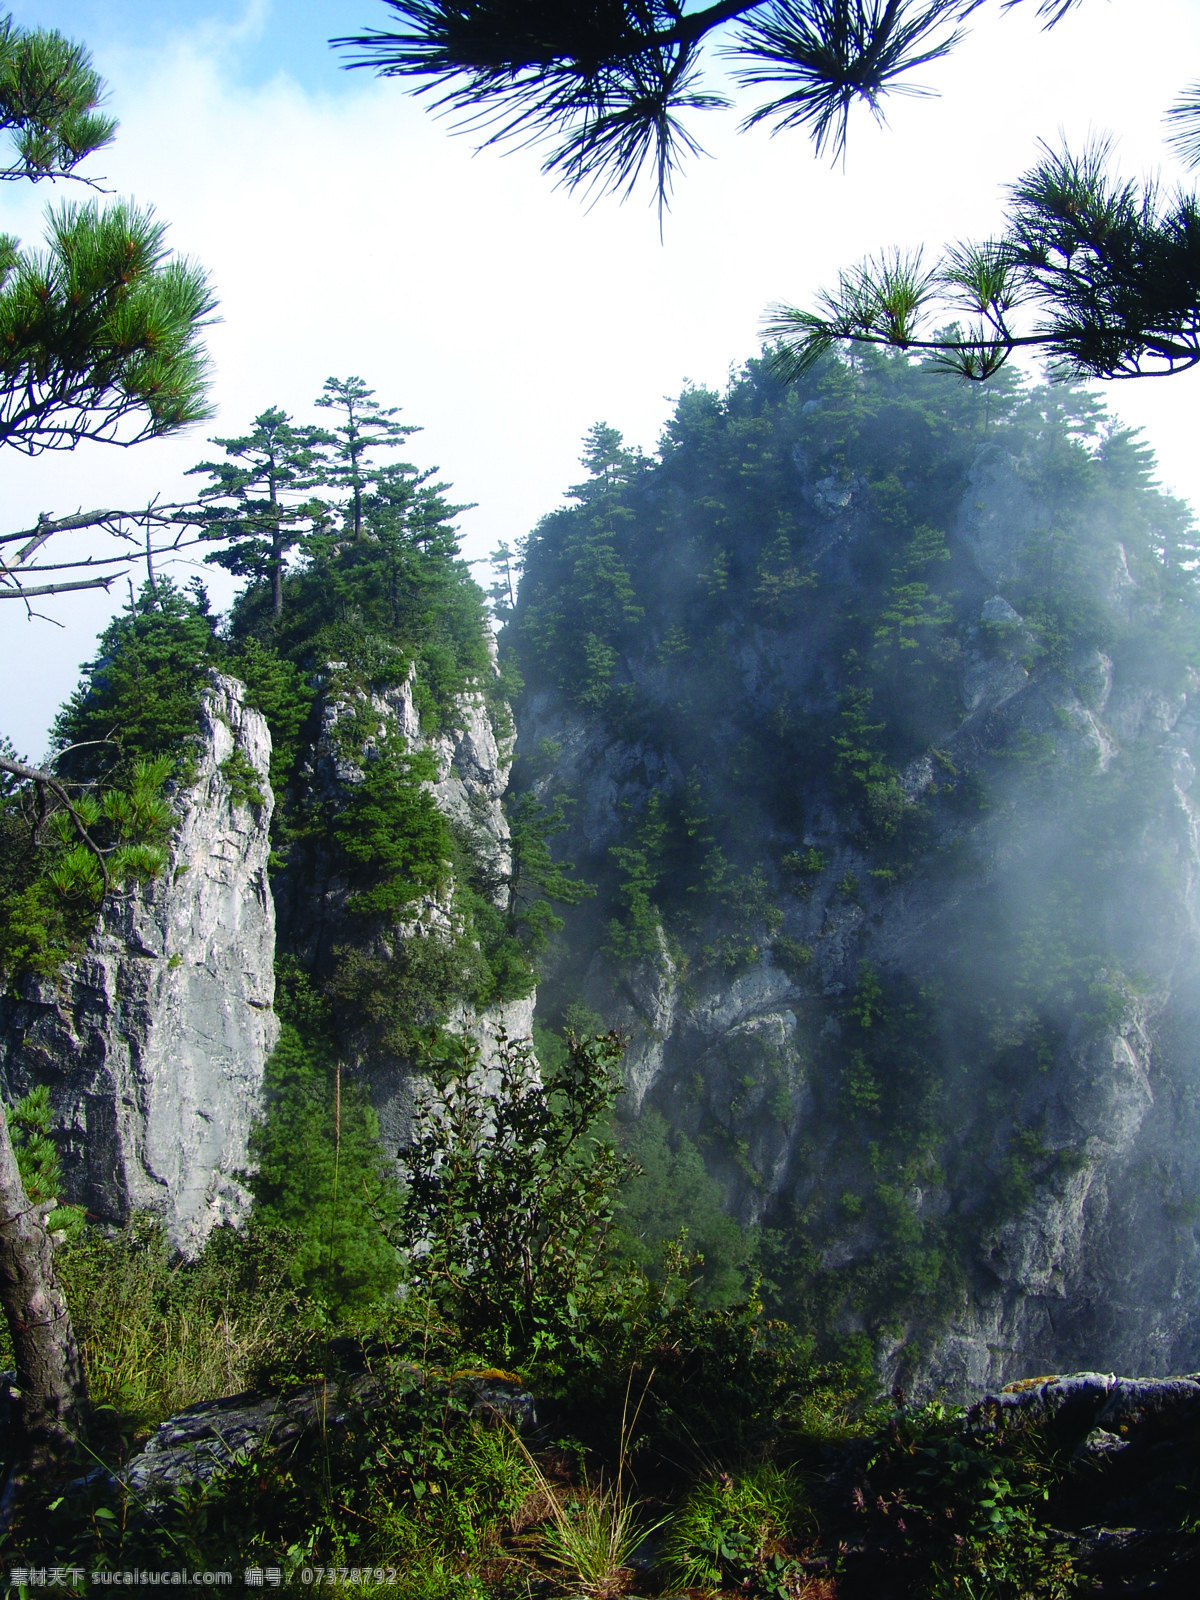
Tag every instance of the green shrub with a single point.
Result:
(966, 1506)
(794, 957)
(242, 777)
(509, 1196)
(395, 842)
(671, 1196)
(55, 879)
(321, 1175)
(125, 734)
(277, 688)
(731, 1526)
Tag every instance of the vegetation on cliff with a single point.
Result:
(676, 1448)
(356, 604)
(765, 635)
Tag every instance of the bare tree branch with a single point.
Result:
(25, 593)
(136, 528)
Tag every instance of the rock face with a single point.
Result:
(153, 1043)
(1112, 1517)
(1064, 1178)
(470, 767)
(472, 775)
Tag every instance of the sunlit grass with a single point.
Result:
(590, 1532)
(158, 1335)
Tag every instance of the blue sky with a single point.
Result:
(346, 231)
(272, 36)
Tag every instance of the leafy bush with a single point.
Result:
(509, 1197)
(966, 1507)
(736, 1530)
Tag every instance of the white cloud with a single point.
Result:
(353, 234)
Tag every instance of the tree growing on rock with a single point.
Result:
(364, 428)
(259, 499)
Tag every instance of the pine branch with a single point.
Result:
(1112, 276)
(833, 52)
(45, 782)
(604, 84)
(1183, 119)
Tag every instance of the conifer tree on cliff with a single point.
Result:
(1099, 274)
(255, 496)
(99, 339)
(365, 426)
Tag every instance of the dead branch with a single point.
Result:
(153, 519)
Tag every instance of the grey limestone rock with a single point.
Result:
(153, 1043)
(1107, 1405)
(208, 1438)
(999, 613)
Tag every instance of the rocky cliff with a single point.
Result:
(464, 768)
(886, 775)
(153, 1042)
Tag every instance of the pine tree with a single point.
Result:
(505, 562)
(590, 606)
(254, 496)
(535, 877)
(321, 1174)
(99, 335)
(366, 426)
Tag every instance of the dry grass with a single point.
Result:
(181, 1356)
(158, 1335)
(589, 1531)
(588, 1534)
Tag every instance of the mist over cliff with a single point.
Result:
(869, 705)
